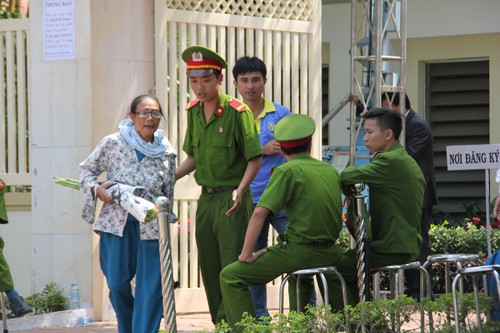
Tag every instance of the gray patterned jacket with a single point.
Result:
(119, 161)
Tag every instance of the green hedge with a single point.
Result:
(469, 238)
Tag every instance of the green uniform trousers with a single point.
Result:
(219, 239)
(279, 259)
(346, 266)
(6, 282)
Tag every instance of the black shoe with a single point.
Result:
(19, 307)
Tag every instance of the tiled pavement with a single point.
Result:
(193, 322)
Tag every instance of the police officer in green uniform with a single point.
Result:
(396, 187)
(18, 305)
(309, 191)
(223, 149)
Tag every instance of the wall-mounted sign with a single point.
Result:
(58, 29)
(473, 157)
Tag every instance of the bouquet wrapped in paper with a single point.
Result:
(131, 198)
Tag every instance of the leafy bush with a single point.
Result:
(51, 299)
(343, 240)
(469, 238)
(399, 315)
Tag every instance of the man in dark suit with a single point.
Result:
(418, 143)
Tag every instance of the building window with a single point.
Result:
(457, 109)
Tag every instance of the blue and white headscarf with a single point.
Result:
(153, 150)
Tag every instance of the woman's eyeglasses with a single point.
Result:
(146, 114)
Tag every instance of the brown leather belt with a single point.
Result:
(217, 189)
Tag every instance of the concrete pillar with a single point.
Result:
(74, 103)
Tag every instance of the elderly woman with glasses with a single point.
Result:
(138, 155)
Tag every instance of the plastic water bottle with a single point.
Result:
(75, 322)
(74, 296)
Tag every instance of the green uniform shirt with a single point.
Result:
(6, 282)
(309, 190)
(222, 146)
(396, 186)
(3, 208)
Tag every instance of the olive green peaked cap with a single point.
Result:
(201, 60)
(294, 130)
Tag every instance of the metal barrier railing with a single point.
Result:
(167, 276)
(361, 243)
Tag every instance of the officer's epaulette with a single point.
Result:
(240, 107)
(192, 103)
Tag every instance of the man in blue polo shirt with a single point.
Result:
(250, 76)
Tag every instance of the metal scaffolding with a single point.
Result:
(378, 57)
(378, 65)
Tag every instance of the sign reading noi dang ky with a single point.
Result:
(473, 157)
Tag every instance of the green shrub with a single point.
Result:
(343, 240)
(51, 299)
(399, 315)
(444, 238)
(469, 238)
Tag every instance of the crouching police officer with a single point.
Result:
(309, 191)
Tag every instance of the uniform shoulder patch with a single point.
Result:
(239, 106)
(192, 103)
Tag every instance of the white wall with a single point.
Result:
(433, 18)
(74, 103)
(336, 26)
(60, 127)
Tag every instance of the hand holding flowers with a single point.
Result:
(130, 198)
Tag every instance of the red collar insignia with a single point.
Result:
(192, 103)
(219, 111)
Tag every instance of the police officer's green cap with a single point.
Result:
(202, 61)
(294, 130)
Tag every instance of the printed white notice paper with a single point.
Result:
(58, 29)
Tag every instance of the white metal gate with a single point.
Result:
(285, 34)
(14, 111)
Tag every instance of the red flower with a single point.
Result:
(476, 220)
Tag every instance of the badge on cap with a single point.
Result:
(197, 56)
(221, 129)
